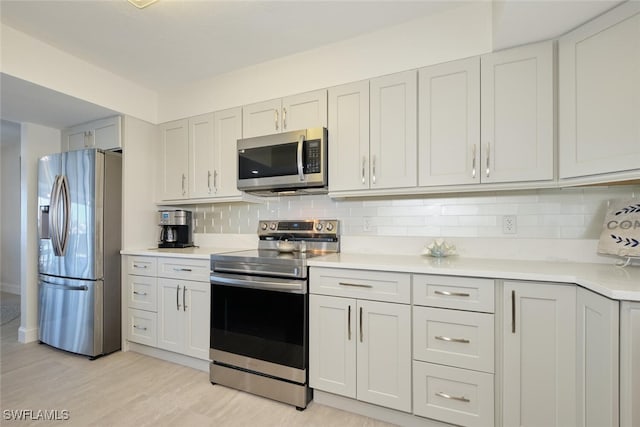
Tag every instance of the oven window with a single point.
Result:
(265, 325)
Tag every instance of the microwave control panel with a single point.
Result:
(313, 157)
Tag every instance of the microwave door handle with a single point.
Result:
(300, 166)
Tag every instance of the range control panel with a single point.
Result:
(307, 227)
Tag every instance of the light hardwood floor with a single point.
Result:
(130, 389)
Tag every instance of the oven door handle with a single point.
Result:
(253, 282)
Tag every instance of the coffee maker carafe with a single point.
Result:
(175, 229)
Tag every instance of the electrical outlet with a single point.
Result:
(367, 224)
(509, 224)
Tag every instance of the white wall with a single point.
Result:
(32, 60)
(10, 207)
(450, 35)
(35, 141)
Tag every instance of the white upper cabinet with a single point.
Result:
(449, 123)
(349, 136)
(517, 114)
(599, 99)
(105, 134)
(174, 160)
(294, 112)
(227, 130)
(393, 139)
(201, 157)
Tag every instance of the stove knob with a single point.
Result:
(329, 226)
(264, 226)
(319, 226)
(273, 226)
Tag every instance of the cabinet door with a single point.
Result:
(517, 114)
(599, 65)
(597, 367)
(394, 145)
(107, 133)
(262, 118)
(384, 354)
(201, 156)
(197, 300)
(306, 110)
(629, 367)
(227, 130)
(349, 136)
(332, 344)
(174, 160)
(539, 329)
(170, 315)
(449, 123)
(74, 139)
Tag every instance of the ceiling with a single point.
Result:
(176, 42)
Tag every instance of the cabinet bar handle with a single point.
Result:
(488, 171)
(448, 396)
(357, 285)
(513, 312)
(364, 162)
(473, 161)
(276, 118)
(349, 323)
(284, 118)
(178, 297)
(139, 266)
(183, 178)
(373, 176)
(139, 327)
(209, 181)
(215, 181)
(452, 294)
(184, 299)
(182, 269)
(139, 293)
(361, 333)
(460, 340)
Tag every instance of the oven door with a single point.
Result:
(259, 319)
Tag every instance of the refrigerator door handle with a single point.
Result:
(64, 287)
(64, 190)
(54, 216)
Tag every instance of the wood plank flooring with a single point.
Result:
(130, 389)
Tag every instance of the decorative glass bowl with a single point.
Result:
(439, 248)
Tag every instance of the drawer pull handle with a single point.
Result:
(139, 327)
(448, 396)
(139, 266)
(182, 269)
(139, 293)
(452, 294)
(357, 285)
(460, 340)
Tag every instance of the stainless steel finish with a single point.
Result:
(139, 328)
(176, 217)
(274, 185)
(79, 195)
(276, 118)
(184, 298)
(488, 171)
(361, 332)
(460, 340)
(358, 285)
(290, 393)
(209, 181)
(473, 161)
(256, 365)
(182, 269)
(513, 312)
(299, 158)
(139, 293)
(139, 266)
(215, 181)
(183, 189)
(451, 294)
(373, 175)
(349, 322)
(284, 118)
(178, 298)
(364, 162)
(448, 396)
(257, 282)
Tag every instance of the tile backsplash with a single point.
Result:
(570, 213)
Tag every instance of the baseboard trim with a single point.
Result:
(180, 359)
(27, 335)
(11, 288)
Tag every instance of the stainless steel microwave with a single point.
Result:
(285, 162)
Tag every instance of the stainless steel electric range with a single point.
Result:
(260, 310)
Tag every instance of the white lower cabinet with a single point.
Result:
(142, 326)
(629, 366)
(360, 348)
(539, 354)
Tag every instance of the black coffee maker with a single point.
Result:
(176, 229)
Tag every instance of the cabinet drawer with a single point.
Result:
(142, 265)
(363, 284)
(142, 327)
(142, 292)
(184, 269)
(462, 293)
(455, 338)
(453, 395)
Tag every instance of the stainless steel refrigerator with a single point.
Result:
(79, 227)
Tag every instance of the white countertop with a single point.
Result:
(606, 279)
(195, 252)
